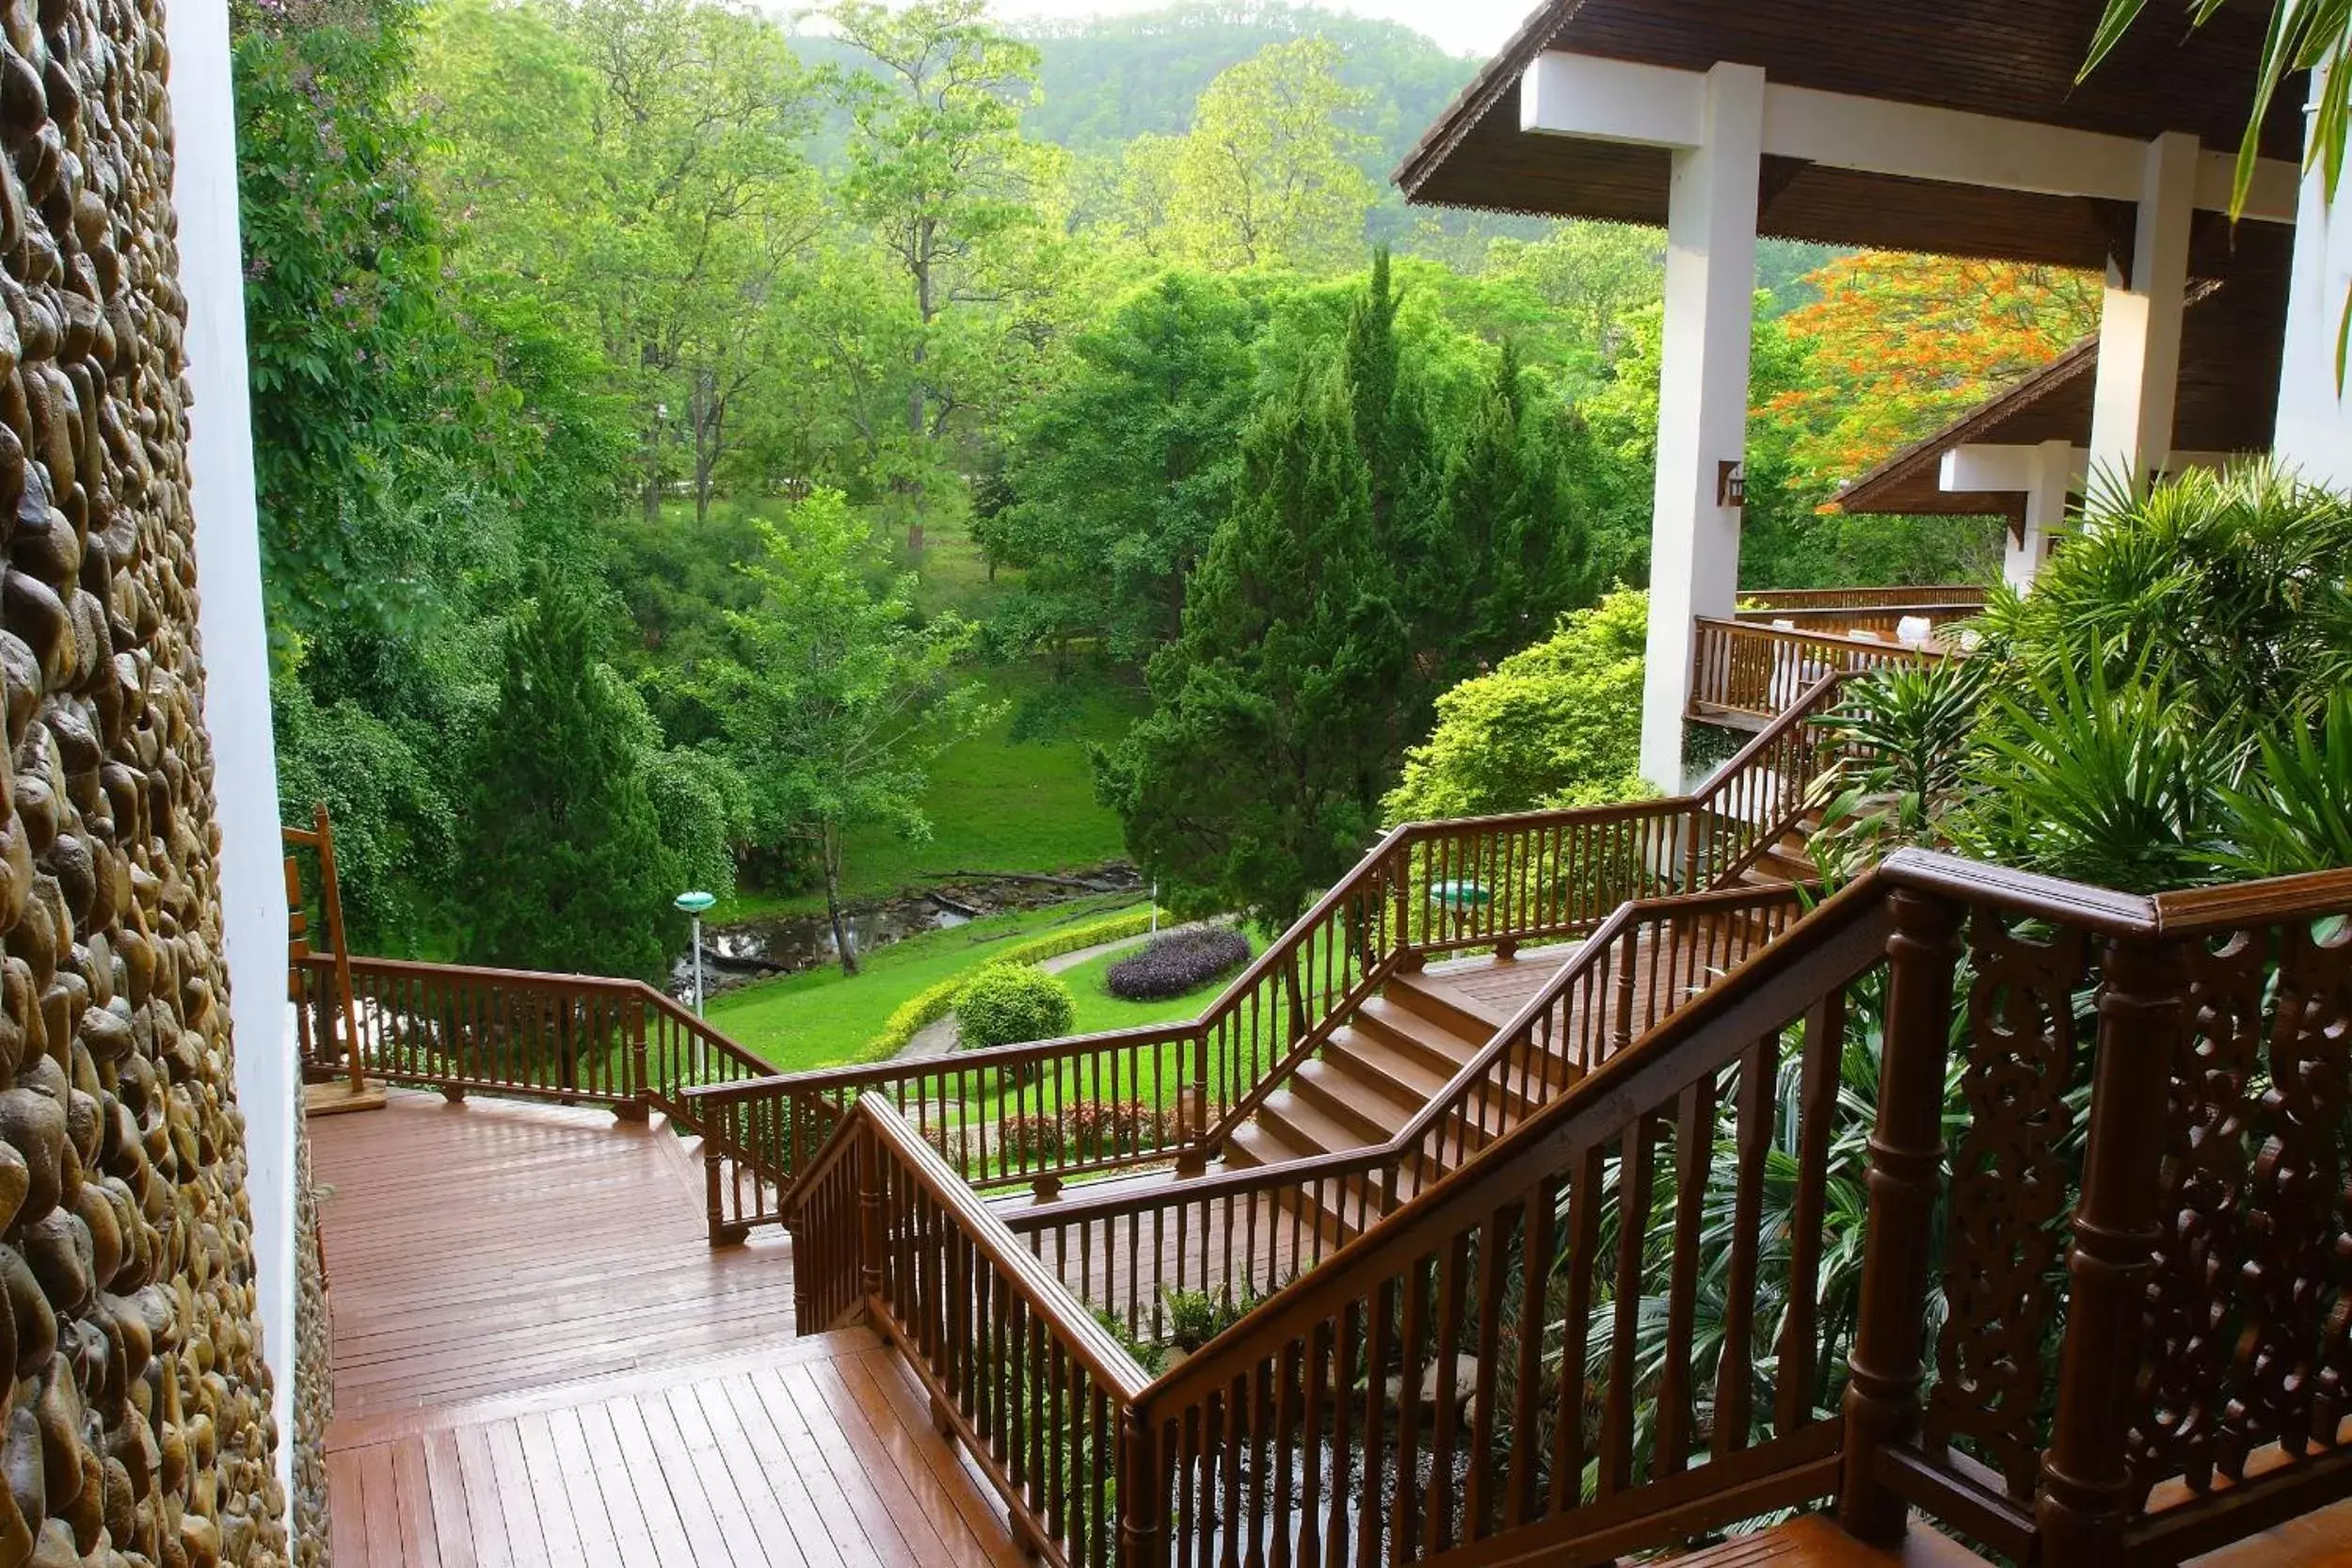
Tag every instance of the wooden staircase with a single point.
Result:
(1378, 1070)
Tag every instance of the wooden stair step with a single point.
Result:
(1438, 1049)
(1304, 1121)
(1404, 1075)
(1254, 1142)
(1360, 1102)
(1433, 999)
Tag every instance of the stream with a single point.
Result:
(737, 954)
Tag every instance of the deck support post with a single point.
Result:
(1703, 401)
(1883, 1404)
(1142, 1483)
(2139, 323)
(2086, 1496)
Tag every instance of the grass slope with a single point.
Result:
(822, 1018)
(995, 803)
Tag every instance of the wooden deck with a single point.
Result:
(539, 1360)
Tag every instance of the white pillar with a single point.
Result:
(2140, 325)
(236, 663)
(2314, 415)
(1703, 399)
(2051, 476)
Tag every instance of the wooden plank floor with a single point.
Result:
(478, 1249)
(814, 1454)
(539, 1362)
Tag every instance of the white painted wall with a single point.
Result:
(236, 661)
(2314, 419)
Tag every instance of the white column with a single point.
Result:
(236, 663)
(2314, 415)
(2140, 325)
(1703, 399)
(2051, 476)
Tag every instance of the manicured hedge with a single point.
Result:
(933, 1002)
(1010, 1004)
(1179, 962)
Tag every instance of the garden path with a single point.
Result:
(938, 1038)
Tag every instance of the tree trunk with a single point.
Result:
(844, 940)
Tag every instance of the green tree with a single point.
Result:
(1121, 474)
(1558, 724)
(564, 867)
(639, 162)
(1513, 516)
(1265, 175)
(939, 174)
(1258, 778)
(840, 696)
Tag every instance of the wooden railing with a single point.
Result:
(1239, 1234)
(1652, 1309)
(1047, 1113)
(572, 1038)
(1034, 1387)
(1884, 624)
(1782, 600)
(1742, 672)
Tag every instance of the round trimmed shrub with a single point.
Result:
(1006, 1004)
(1178, 962)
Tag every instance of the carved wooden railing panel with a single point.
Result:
(1744, 671)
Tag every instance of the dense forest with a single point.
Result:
(676, 435)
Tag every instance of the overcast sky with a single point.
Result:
(1464, 27)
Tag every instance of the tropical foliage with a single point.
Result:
(2167, 707)
(1558, 724)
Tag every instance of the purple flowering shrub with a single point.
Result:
(1178, 962)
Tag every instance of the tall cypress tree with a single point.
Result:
(1516, 499)
(565, 868)
(1278, 725)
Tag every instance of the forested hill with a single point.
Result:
(1110, 79)
(1104, 81)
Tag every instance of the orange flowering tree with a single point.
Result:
(1897, 344)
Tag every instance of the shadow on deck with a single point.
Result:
(539, 1359)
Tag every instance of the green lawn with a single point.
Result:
(996, 804)
(1099, 1012)
(821, 1018)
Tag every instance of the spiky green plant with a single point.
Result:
(2116, 783)
(2294, 812)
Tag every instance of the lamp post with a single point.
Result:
(693, 904)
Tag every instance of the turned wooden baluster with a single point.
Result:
(1882, 1397)
(2086, 1496)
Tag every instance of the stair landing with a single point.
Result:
(539, 1361)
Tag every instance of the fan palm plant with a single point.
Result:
(2304, 36)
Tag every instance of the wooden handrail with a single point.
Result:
(1032, 1053)
(1078, 1206)
(1102, 1355)
(1864, 598)
(1840, 939)
(1768, 632)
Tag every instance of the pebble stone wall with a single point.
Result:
(138, 1426)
